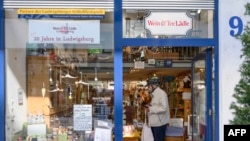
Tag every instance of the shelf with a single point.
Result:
(184, 90)
(177, 108)
(180, 107)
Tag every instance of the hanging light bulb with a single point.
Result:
(50, 72)
(96, 79)
(70, 95)
(70, 92)
(76, 83)
(43, 90)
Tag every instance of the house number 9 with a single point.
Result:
(236, 25)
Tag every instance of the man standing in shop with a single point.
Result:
(158, 109)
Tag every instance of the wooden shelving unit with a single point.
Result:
(38, 77)
(182, 107)
(180, 104)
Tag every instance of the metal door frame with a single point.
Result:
(207, 55)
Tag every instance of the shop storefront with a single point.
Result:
(76, 70)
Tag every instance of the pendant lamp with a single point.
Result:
(43, 90)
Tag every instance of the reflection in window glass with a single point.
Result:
(58, 76)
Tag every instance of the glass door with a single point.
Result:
(200, 121)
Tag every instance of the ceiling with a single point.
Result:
(105, 71)
(143, 74)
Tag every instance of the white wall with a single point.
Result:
(16, 113)
(229, 60)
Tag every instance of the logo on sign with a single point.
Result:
(168, 23)
(240, 132)
(65, 29)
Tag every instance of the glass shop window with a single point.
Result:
(58, 67)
